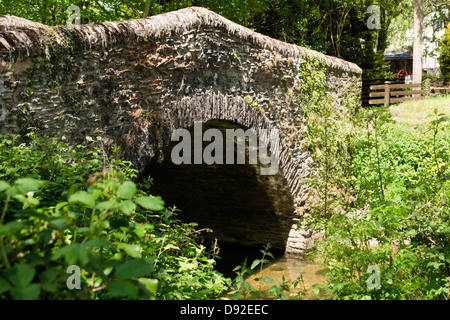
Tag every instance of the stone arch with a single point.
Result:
(245, 207)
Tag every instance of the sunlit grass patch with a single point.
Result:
(418, 111)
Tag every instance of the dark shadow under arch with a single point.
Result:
(242, 207)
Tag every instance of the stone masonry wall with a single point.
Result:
(134, 82)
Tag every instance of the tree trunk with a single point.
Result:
(383, 32)
(417, 48)
(147, 8)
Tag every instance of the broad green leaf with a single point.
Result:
(119, 235)
(20, 275)
(98, 243)
(4, 285)
(151, 203)
(4, 185)
(150, 284)
(49, 280)
(133, 250)
(49, 275)
(27, 201)
(434, 265)
(82, 229)
(51, 286)
(107, 205)
(74, 253)
(274, 290)
(25, 185)
(270, 255)
(269, 280)
(28, 293)
(105, 224)
(127, 207)
(339, 286)
(122, 288)
(139, 230)
(82, 197)
(59, 206)
(256, 294)
(11, 227)
(188, 264)
(59, 224)
(444, 119)
(316, 289)
(133, 269)
(255, 263)
(151, 260)
(126, 190)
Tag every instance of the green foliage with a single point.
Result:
(54, 12)
(444, 57)
(329, 135)
(401, 180)
(380, 195)
(126, 243)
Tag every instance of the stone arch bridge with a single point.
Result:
(133, 83)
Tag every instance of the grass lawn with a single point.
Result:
(415, 112)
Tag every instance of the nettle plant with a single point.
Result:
(125, 242)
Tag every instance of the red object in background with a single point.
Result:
(402, 72)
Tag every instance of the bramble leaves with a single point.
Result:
(126, 190)
(20, 275)
(133, 269)
(102, 228)
(74, 254)
(83, 198)
(150, 203)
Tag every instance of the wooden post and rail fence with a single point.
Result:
(392, 93)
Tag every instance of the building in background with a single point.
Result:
(400, 60)
(400, 53)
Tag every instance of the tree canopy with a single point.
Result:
(335, 27)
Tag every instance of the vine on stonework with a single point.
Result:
(57, 65)
(330, 127)
(24, 115)
(59, 59)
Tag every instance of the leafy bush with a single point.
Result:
(66, 207)
(402, 175)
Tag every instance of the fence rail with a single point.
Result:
(391, 96)
(367, 82)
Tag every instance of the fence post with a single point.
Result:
(387, 93)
